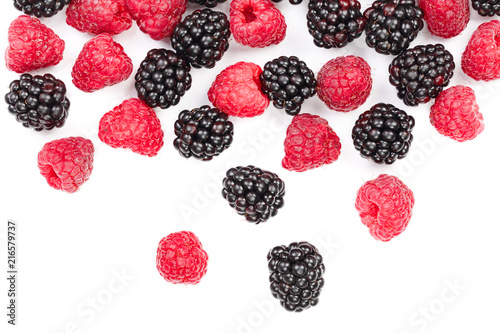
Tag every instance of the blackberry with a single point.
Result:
(486, 7)
(383, 133)
(392, 25)
(202, 37)
(421, 73)
(287, 82)
(334, 23)
(207, 3)
(40, 8)
(254, 193)
(203, 133)
(162, 78)
(293, 2)
(38, 102)
(296, 275)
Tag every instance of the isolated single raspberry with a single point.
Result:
(344, 83)
(32, 45)
(133, 125)
(99, 16)
(66, 163)
(236, 91)
(455, 114)
(446, 18)
(310, 143)
(385, 205)
(101, 63)
(481, 58)
(256, 23)
(181, 258)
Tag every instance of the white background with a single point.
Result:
(440, 275)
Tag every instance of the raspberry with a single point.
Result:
(446, 18)
(256, 23)
(101, 63)
(344, 83)
(481, 58)
(40, 8)
(455, 114)
(385, 205)
(237, 91)
(32, 45)
(99, 16)
(310, 143)
(66, 163)
(133, 125)
(180, 258)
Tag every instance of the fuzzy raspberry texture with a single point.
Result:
(157, 18)
(481, 58)
(99, 16)
(67, 163)
(446, 18)
(256, 23)
(133, 125)
(236, 91)
(181, 258)
(455, 114)
(32, 45)
(344, 83)
(310, 143)
(101, 63)
(385, 205)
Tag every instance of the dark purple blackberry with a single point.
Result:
(207, 3)
(383, 133)
(162, 78)
(296, 275)
(421, 73)
(287, 82)
(392, 25)
(486, 7)
(202, 37)
(202, 133)
(335, 23)
(254, 193)
(40, 8)
(38, 102)
(293, 2)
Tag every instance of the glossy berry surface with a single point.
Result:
(446, 18)
(207, 3)
(40, 8)
(486, 7)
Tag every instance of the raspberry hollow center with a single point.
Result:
(249, 14)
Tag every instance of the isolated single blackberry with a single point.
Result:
(296, 275)
(207, 3)
(421, 73)
(254, 193)
(383, 133)
(38, 102)
(287, 82)
(203, 133)
(486, 7)
(40, 8)
(202, 37)
(392, 25)
(334, 23)
(162, 78)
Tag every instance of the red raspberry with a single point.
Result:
(66, 163)
(344, 83)
(310, 143)
(385, 205)
(446, 18)
(32, 45)
(101, 63)
(455, 114)
(180, 258)
(256, 23)
(481, 59)
(157, 18)
(99, 16)
(236, 91)
(134, 125)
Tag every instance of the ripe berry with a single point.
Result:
(486, 7)
(446, 18)
(207, 3)
(40, 8)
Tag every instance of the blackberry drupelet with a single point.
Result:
(207, 3)
(421, 73)
(38, 102)
(383, 133)
(202, 37)
(254, 193)
(162, 78)
(486, 7)
(296, 275)
(40, 8)
(287, 82)
(334, 23)
(392, 25)
(203, 133)
(293, 2)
